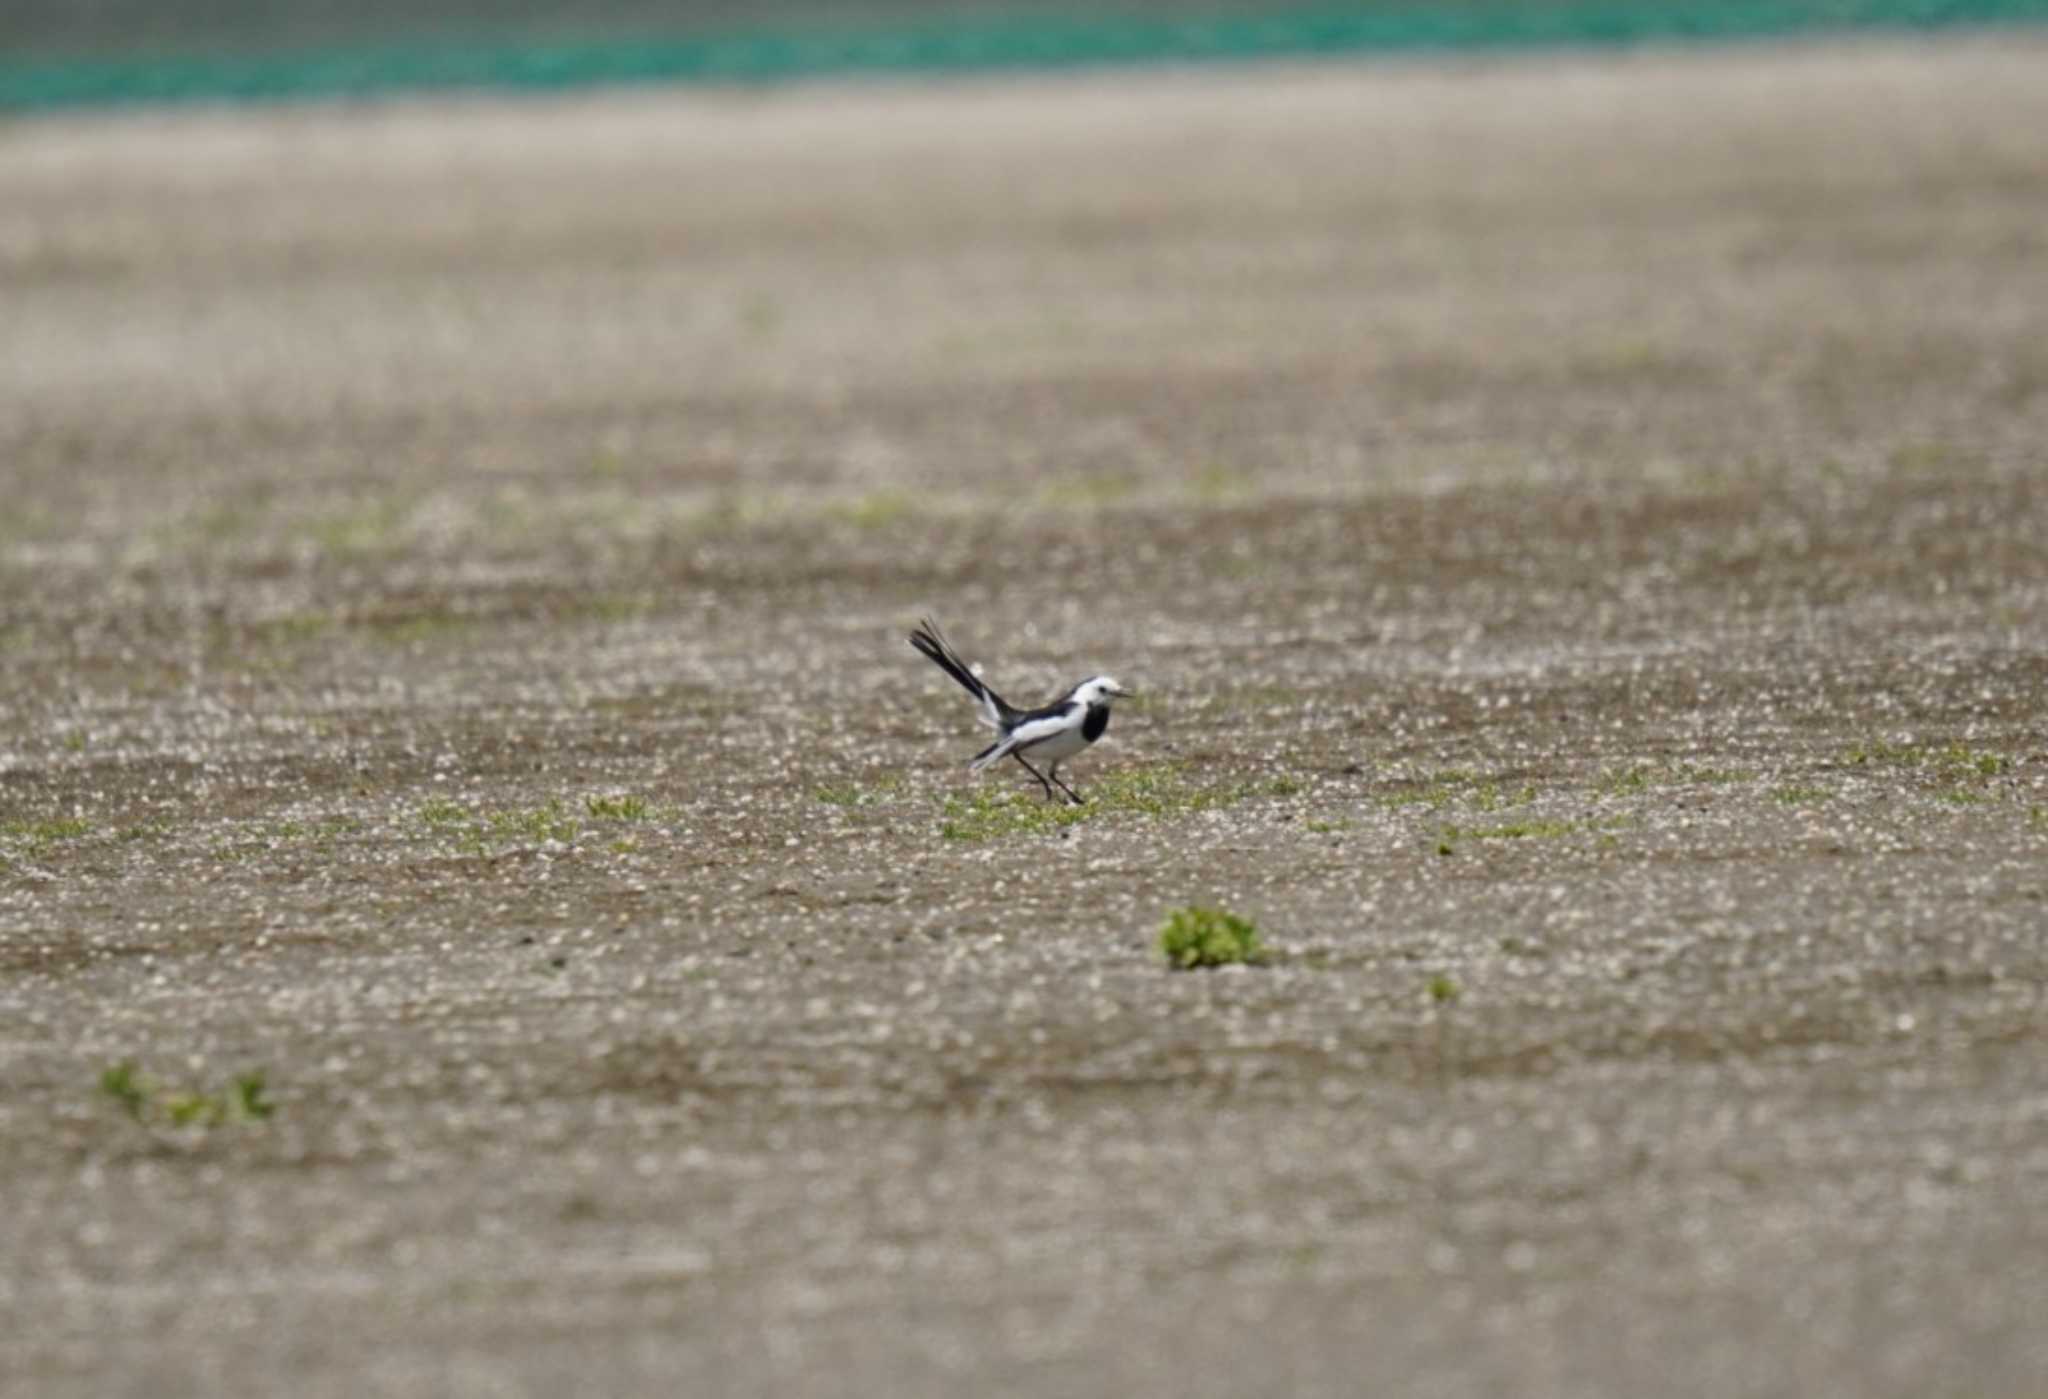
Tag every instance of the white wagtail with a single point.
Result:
(1051, 734)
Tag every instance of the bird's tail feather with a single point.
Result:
(994, 753)
(932, 645)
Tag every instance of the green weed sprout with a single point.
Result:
(1208, 937)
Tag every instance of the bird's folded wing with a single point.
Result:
(1021, 738)
(1039, 730)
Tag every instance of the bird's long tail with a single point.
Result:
(932, 645)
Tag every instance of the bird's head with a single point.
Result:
(1099, 689)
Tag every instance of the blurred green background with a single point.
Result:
(56, 53)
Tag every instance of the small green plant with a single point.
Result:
(1690, 772)
(146, 1100)
(989, 812)
(123, 1083)
(1792, 795)
(1325, 828)
(250, 1099)
(63, 828)
(1442, 990)
(1625, 781)
(477, 831)
(624, 807)
(34, 838)
(1209, 937)
(1491, 797)
(1952, 761)
(1641, 777)
(1436, 792)
(1455, 786)
(441, 811)
(1965, 773)
(550, 821)
(1880, 751)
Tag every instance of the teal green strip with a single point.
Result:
(965, 44)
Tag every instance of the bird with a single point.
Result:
(1052, 733)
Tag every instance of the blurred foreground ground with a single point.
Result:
(1580, 527)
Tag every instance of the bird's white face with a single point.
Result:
(1099, 689)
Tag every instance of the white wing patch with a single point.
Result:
(1030, 733)
(1039, 730)
(990, 715)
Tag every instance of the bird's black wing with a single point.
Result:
(1036, 726)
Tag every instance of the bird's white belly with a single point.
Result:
(1060, 746)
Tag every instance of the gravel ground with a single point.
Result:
(1581, 530)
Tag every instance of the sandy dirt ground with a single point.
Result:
(1580, 527)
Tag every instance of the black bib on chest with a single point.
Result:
(1096, 723)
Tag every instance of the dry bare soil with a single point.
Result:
(1579, 527)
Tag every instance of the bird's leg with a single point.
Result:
(1035, 773)
(1053, 772)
